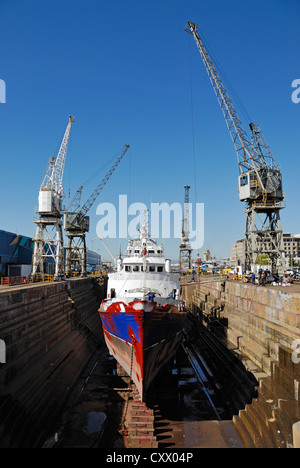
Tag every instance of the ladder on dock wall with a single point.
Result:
(268, 421)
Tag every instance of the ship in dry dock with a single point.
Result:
(143, 317)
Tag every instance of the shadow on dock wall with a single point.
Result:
(260, 325)
(50, 331)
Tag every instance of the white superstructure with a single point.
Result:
(143, 270)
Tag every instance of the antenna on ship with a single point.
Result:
(144, 227)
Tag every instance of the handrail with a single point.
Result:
(18, 280)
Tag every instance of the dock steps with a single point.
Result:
(138, 422)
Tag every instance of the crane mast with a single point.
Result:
(260, 180)
(77, 223)
(185, 249)
(48, 241)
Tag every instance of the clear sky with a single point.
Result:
(126, 69)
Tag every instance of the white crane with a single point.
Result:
(48, 241)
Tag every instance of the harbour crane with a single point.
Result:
(48, 241)
(260, 179)
(77, 223)
(185, 249)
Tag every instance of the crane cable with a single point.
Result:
(225, 78)
(193, 129)
(101, 169)
(229, 86)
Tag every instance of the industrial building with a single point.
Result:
(16, 255)
(291, 249)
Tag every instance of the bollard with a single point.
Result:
(296, 434)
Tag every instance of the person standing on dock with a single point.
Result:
(259, 276)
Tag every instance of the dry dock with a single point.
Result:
(59, 375)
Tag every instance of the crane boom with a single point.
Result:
(61, 159)
(74, 205)
(54, 174)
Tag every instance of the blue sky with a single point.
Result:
(126, 69)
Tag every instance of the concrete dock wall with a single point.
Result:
(50, 332)
(260, 319)
(262, 326)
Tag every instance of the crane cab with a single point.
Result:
(251, 189)
(247, 185)
(75, 223)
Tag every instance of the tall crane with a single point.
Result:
(259, 181)
(48, 241)
(77, 223)
(185, 249)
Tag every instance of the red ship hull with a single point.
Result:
(142, 336)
